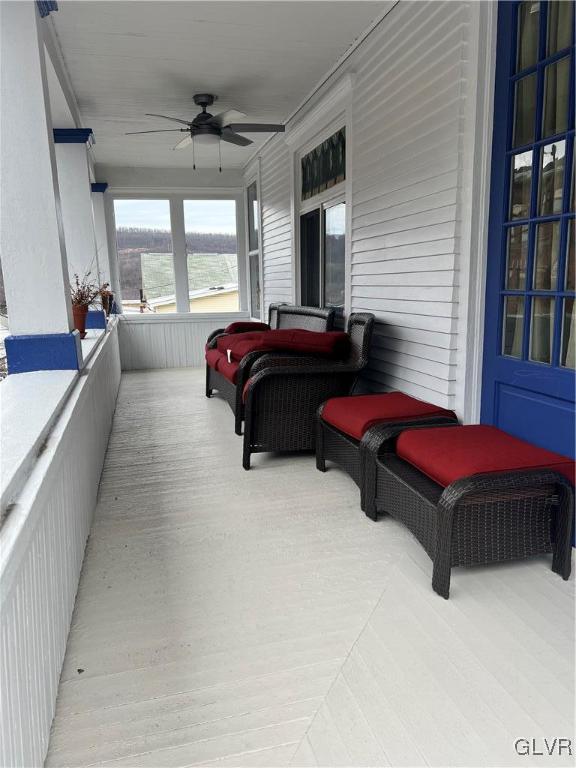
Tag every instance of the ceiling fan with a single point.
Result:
(211, 129)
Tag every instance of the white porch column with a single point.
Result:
(33, 250)
(102, 252)
(77, 212)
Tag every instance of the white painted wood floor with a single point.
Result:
(258, 618)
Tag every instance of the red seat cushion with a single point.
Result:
(447, 454)
(228, 370)
(212, 358)
(244, 326)
(354, 415)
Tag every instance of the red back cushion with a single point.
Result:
(224, 343)
(447, 454)
(246, 326)
(354, 415)
(334, 344)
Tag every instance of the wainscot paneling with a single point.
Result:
(42, 548)
(173, 341)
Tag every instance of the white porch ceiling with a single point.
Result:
(262, 58)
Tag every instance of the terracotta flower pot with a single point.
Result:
(79, 312)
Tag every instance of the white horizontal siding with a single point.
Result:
(276, 223)
(405, 144)
(42, 544)
(406, 177)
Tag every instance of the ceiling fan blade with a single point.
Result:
(162, 130)
(186, 141)
(174, 119)
(223, 118)
(234, 138)
(256, 127)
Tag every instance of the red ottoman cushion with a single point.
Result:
(212, 358)
(354, 415)
(447, 454)
(246, 326)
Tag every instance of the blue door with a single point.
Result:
(530, 331)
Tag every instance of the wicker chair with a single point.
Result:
(285, 391)
(280, 316)
(476, 520)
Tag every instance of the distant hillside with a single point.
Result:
(159, 241)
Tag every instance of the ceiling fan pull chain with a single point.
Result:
(193, 154)
(220, 156)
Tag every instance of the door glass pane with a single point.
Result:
(211, 255)
(547, 253)
(567, 358)
(528, 14)
(255, 284)
(146, 263)
(334, 255)
(513, 326)
(541, 329)
(517, 258)
(310, 258)
(560, 25)
(570, 281)
(524, 110)
(556, 84)
(552, 178)
(252, 194)
(520, 185)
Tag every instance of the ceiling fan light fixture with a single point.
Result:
(206, 138)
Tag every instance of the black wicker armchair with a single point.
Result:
(285, 391)
(281, 316)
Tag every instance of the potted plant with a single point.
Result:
(83, 293)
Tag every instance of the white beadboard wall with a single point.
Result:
(171, 341)
(42, 543)
(405, 142)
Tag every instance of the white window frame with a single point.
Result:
(177, 228)
(323, 200)
(332, 112)
(254, 178)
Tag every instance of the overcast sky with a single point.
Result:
(199, 215)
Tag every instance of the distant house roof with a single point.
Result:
(201, 293)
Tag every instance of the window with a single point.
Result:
(211, 255)
(537, 290)
(177, 255)
(324, 166)
(253, 249)
(145, 258)
(322, 256)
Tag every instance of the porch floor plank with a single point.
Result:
(232, 618)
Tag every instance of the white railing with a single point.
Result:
(41, 551)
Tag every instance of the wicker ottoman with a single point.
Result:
(344, 425)
(472, 495)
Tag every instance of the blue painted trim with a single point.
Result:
(43, 352)
(46, 6)
(99, 186)
(73, 136)
(96, 318)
